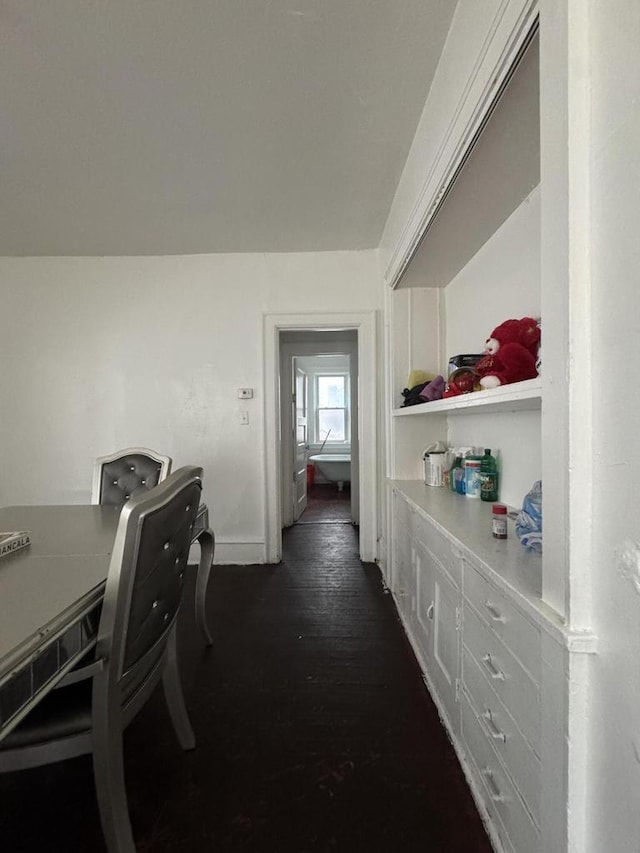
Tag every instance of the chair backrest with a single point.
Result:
(145, 580)
(119, 476)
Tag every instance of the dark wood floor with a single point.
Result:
(327, 505)
(315, 733)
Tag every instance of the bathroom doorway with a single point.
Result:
(364, 463)
(319, 426)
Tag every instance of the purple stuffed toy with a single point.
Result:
(433, 390)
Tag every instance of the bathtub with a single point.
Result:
(335, 467)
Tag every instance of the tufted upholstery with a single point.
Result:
(126, 476)
(165, 539)
(122, 475)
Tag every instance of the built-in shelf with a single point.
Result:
(518, 397)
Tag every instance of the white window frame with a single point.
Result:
(316, 437)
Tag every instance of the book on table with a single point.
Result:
(13, 541)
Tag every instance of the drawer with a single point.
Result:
(440, 546)
(500, 797)
(519, 759)
(521, 636)
(511, 683)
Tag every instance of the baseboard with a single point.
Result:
(241, 552)
(383, 563)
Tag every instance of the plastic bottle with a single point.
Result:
(499, 521)
(472, 476)
(456, 477)
(488, 477)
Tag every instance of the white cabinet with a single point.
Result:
(425, 605)
(511, 826)
(438, 615)
(501, 723)
(429, 603)
(479, 643)
(402, 563)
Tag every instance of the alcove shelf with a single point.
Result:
(518, 397)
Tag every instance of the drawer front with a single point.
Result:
(501, 800)
(519, 759)
(521, 636)
(440, 546)
(513, 685)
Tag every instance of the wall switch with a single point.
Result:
(245, 393)
(244, 418)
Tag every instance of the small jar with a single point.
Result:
(499, 521)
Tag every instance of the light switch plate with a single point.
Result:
(245, 393)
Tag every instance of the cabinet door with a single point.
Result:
(403, 571)
(424, 619)
(446, 641)
(438, 630)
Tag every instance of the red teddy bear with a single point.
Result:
(511, 353)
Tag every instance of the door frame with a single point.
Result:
(289, 352)
(364, 324)
(294, 414)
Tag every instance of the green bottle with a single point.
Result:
(488, 477)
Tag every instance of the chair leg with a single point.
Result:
(206, 541)
(174, 697)
(108, 770)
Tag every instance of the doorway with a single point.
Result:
(319, 426)
(360, 329)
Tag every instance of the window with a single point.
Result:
(331, 408)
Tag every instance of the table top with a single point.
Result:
(61, 572)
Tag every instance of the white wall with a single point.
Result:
(463, 79)
(500, 282)
(614, 753)
(471, 21)
(102, 353)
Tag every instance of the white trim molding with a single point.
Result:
(508, 33)
(240, 552)
(365, 325)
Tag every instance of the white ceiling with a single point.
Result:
(184, 126)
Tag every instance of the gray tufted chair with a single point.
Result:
(121, 475)
(136, 648)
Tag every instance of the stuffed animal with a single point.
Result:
(418, 380)
(433, 390)
(511, 352)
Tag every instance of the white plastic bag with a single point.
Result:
(529, 519)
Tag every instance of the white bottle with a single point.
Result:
(472, 478)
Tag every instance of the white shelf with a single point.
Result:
(518, 397)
